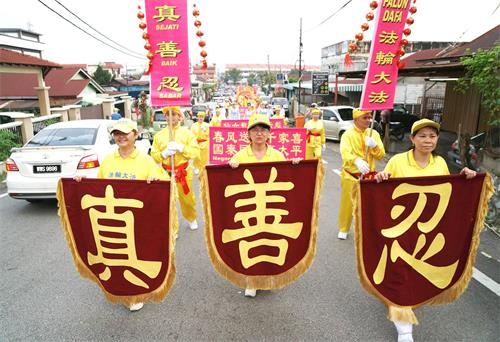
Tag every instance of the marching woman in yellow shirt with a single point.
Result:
(127, 162)
(315, 136)
(200, 130)
(417, 162)
(278, 114)
(182, 148)
(259, 131)
(217, 118)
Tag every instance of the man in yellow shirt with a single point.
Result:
(316, 140)
(182, 148)
(355, 163)
(200, 130)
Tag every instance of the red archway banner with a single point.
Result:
(261, 221)
(119, 233)
(417, 237)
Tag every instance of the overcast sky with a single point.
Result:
(237, 31)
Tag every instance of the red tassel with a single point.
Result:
(401, 65)
(347, 60)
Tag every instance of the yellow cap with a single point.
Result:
(175, 110)
(356, 113)
(424, 123)
(201, 114)
(125, 126)
(258, 119)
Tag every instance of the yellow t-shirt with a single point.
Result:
(201, 132)
(183, 136)
(404, 165)
(137, 166)
(246, 155)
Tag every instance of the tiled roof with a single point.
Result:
(15, 58)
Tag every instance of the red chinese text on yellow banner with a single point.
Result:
(118, 232)
(417, 237)
(261, 221)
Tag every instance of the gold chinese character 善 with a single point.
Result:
(124, 239)
(259, 214)
(168, 49)
(439, 276)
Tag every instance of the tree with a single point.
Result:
(482, 70)
(252, 79)
(233, 75)
(101, 76)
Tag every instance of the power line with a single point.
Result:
(87, 33)
(330, 16)
(102, 34)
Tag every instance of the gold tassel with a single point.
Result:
(157, 295)
(403, 314)
(261, 282)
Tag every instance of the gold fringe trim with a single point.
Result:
(261, 282)
(157, 295)
(405, 313)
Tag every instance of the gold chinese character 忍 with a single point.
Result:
(439, 276)
(259, 215)
(124, 238)
(170, 82)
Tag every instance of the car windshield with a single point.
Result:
(280, 101)
(64, 137)
(345, 113)
(199, 108)
(159, 116)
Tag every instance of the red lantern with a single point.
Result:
(407, 31)
(370, 16)
(142, 25)
(353, 47)
(196, 12)
(204, 64)
(373, 4)
(202, 43)
(203, 53)
(403, 42)
(365, 26)
(140, 15)
(147, 46)
(401, 52)
(410, 21)
(150, 55)
(145, 35)
(197, 23)
(199, 33)
(413, 10)
(359, 36)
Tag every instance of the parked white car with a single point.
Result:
(336, 119)
(64, 149)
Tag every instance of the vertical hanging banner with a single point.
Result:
(168, 32)
(382, 74)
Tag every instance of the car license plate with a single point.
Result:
(46, 168)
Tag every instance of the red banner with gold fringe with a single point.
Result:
(417, 237)
(119, 234)
(261, 221)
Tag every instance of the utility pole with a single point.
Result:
(300, 64)
(268, 77)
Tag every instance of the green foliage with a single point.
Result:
(208, 90)
(233, 75)
(252, 79)
(482, 70)
(101, 76)
(8, 140)
(293, 79)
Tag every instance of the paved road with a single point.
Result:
(44, 298)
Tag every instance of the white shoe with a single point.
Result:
(136, 306)
(193, 225)
(250, 292)
(196, 172)
(404, 331)
(342, 236)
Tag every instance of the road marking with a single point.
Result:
(336, 171)
(489, 283)
(3, 195)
